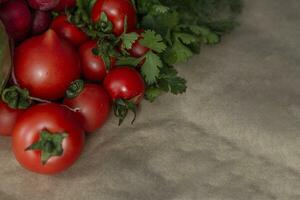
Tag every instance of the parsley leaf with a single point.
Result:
(153, 41)
(150, 69)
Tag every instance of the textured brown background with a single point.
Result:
(234, 135)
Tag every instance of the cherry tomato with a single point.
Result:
(137, 50)
(68, 31)
(8, 118)
(47, 139)
(116, 11)
(93, 104)
(63, 4)
(125, 83)
(93, 67)
(46, 66)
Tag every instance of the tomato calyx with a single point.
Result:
(121, 108)
(49, 144)
(75, 89)
(16, 98)
(104, 24)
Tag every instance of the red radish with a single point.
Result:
(63, 4)
(43, 4)
(46, 66)
(68, 31)
(41, 21)
(17, 18)
(93, 104)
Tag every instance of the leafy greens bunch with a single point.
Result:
(174, 30)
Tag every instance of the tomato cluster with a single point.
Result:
(60, 88)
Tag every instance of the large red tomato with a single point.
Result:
(116, 11)
(68, 31)
(47, 138)
(125, 83)
(93, 105)
(46, 66)
(8, 118)
(93, 67)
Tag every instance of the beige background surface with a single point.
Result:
(234, 135)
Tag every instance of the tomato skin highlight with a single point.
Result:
(94, 106)
(125, 83)
(116, 10)
(46, 66)
(56, 119)
(93, 67)
(8, 118)
(68, 31)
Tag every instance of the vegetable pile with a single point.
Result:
(65, 64)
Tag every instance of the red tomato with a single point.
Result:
(116, 11)
(46, 65)
(93, 104)
(8, 118)
(125, 83)
(68, 31)
(59, 148)
(93, 67)
(137, 50)
(63, 4)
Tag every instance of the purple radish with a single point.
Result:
(43, 4)
(41, 21)
(17, 19)
(2, 1)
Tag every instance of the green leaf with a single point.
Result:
(128, 39)
(177, 53)
(186, 38)
(152, 93)
(153, 41)
(131, 61)
(5, 57)
(169, 81)
(150, 69)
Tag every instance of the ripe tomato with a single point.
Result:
(47, 139)
(93, 67)
(125, 83)
(137, 50)
(116, 11)
(8, 118)
(46, 66)
(68, 31)
(93, 104)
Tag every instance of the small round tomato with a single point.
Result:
(117, 11)
(63, 4)
(46, 66)
(8, 118)
(92, 104)
(47, 139)
(68, 31)
(93, 67)
(125, 83)
(137, 50)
